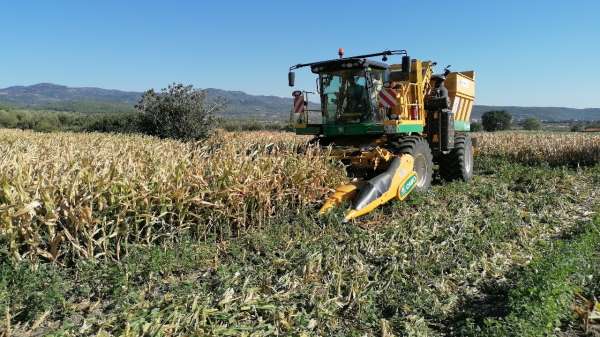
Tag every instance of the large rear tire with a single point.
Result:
(458, 164)
(419, 149)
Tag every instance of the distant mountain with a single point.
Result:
(240, 105)
(543, 113)
(47, 93)
(62, 98)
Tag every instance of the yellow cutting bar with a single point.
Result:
(396, 182)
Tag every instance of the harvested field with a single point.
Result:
(134, 236)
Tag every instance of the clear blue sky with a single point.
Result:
(533, 53)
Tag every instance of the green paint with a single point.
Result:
(462, 126)
(309, 130)
(409, 128)
(352, 129)
(408, 186)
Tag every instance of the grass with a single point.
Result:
(541, 294)
(410, 268)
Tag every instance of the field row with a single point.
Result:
(140, 233)
(69, 195)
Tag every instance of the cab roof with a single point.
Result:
(346, 63)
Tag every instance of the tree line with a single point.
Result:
(183, 112)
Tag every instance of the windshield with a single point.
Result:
(345, 96)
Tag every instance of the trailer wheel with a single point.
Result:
(458, 164)
(419, 149)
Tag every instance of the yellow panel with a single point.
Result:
(416, 71)
(455, 105)
(463, 109)
(469, 109)
(460, 84)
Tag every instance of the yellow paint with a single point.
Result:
(394, 122)
(364, 159)
(342, 193)
(402, 174)
(461, 85)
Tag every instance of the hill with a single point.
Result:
(62, 98)
(240, 104)
(544, 113)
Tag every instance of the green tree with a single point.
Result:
(178, 111)
(577, 127)
(496, 120)
(8, 119)
(45, 123)
(475, 127)
(532, 123)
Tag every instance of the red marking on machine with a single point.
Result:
(387, 98)
(298, 101)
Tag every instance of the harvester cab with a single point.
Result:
(391, 124)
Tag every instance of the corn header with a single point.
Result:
(391, 124)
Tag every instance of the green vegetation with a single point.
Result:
(581, 126)
(153, 255)
(179, 112)
(531, 123)
(541, 294)
(49, 121)
(476, 127)
(88, 107)
(79, 106)
(124, 122)
(496, 120)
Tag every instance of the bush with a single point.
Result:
(582, 126)
(179, 112)
(578, 127)
(532, 123)
(46, 123)
(496, 120)
(475, 127)
(7, 119)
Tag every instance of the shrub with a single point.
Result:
(7, 119)
(46, 123)
(179, 112)
(578, 127)
(532, 123)
(475, 127)
(496, 120)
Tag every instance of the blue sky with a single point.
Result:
(532, 53)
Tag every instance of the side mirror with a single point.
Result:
(291, 78)
(447, 70)
(406, 64)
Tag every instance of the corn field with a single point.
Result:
(88, 195)
(69, 196)
(542, 147)
(149, 237)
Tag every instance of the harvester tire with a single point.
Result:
(458, 164)
(419, 149)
